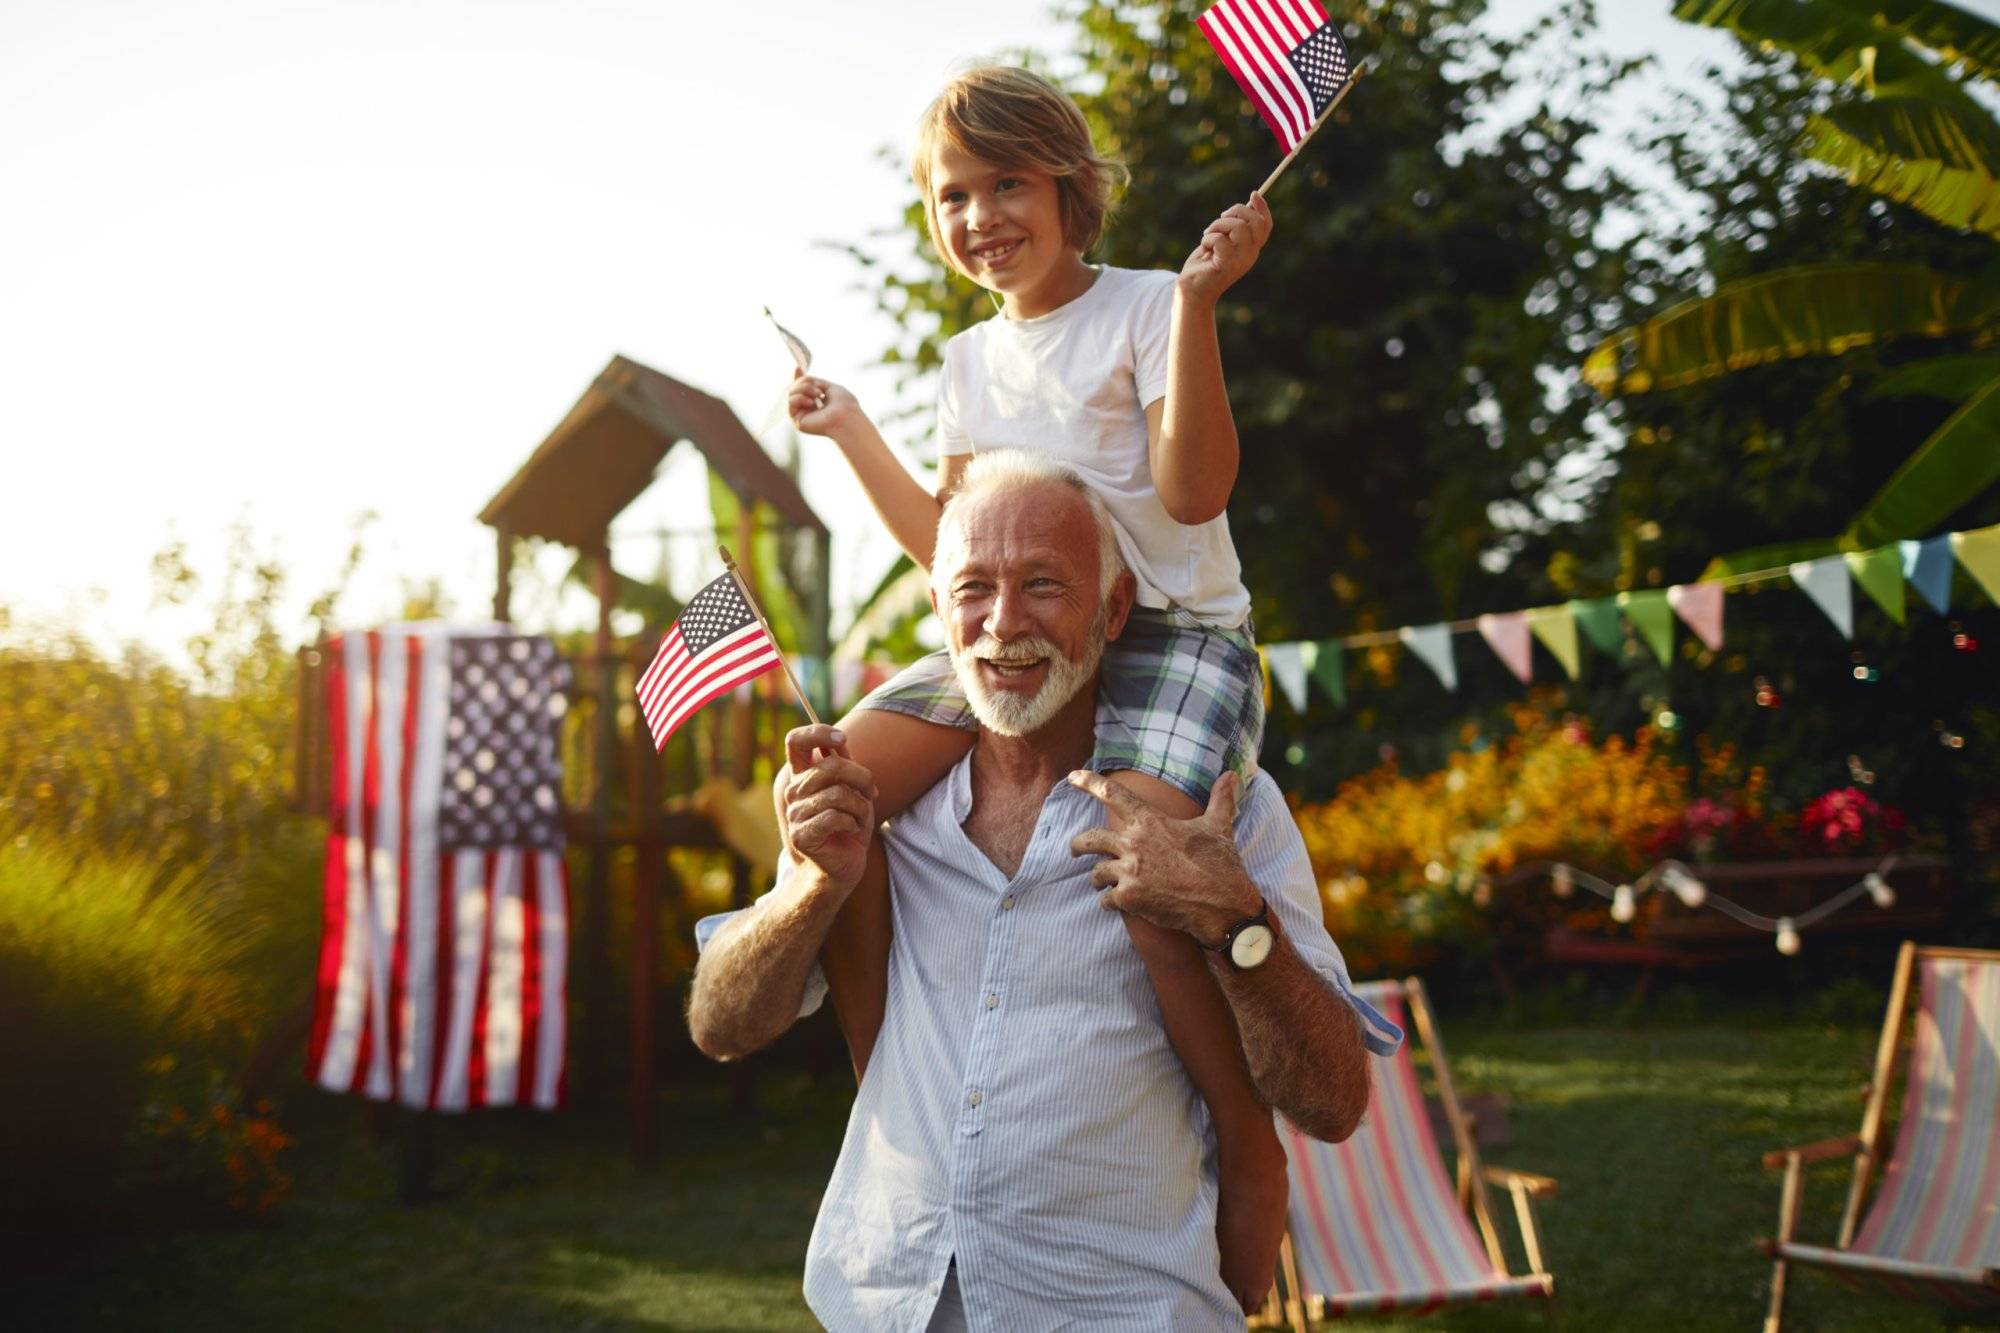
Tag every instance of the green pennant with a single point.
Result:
(1880, 574)
(1555, 626)
(1979, 551)
(1651, 615)
(1325, 664)
(1599, 622)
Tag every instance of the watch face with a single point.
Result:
(1251, 946)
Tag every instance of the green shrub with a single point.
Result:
(124, 1013)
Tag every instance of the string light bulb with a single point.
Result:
(1623, 906)
(1691, 891)
(1788, 937)
(1563, 881)
(1879, 890)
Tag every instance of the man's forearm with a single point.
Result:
(1302, 1042)
(753, 974)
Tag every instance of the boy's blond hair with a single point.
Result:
(1016, 118)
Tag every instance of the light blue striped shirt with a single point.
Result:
(1023, 1111)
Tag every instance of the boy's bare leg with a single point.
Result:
(1253, 1187)
(907, 758)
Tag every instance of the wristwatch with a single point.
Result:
(1249, 941)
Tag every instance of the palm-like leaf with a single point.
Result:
(1962, 39)
(1952, 378)
(1835, 39)
(1957, 462)
(1814, 310)
(1939, 158)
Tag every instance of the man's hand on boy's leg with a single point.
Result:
(1228, 250)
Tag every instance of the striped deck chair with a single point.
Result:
(1933, 1232)
(1376, 1223)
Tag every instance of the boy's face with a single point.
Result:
(1000, 226)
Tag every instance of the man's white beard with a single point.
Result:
(1012, 714)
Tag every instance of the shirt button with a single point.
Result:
(1007, 903)
(972, 1098)
(993, 1002)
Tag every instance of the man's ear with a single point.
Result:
(1124, 592)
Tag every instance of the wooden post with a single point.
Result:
(592, 959)
(649, 865)
(503, 577)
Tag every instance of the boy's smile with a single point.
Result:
(1003, 228)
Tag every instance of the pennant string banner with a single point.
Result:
(1925, 565)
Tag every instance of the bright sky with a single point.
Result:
(286, 262)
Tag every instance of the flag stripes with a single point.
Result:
(717, 644)
(441, 979)
(1257, 41)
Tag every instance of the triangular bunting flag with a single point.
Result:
(1433, 644)
(1825, 581)
(1599, 622)
(1927, 566)
(1324, 660)
(1699, 605)
(1288, 672)
(1555, 626)
(1653, 618)
(1507, 636)
(1979, 552)
(1880, 574)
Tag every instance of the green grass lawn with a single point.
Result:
(1654, 1133)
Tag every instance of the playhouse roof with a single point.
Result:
(605, 451)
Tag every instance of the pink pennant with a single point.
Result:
(1509, 637)
(1699, 605)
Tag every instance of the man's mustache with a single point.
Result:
(989, 649)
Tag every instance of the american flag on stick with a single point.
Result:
(446, 903)
(1288, 59)
(719, 642)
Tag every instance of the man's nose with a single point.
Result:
(1009, 618)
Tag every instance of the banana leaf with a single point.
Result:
(1961, 39)
(1940, 160)
(1813, 310)
(1840, 41)
(887, 621)
(1959, 460)
(1952, 378)
(763, 565)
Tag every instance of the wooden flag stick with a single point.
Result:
(729, 561)
(1279, 170)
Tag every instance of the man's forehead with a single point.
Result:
(1039, 524)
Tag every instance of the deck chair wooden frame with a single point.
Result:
(1977, 1285)
(1291, 1305)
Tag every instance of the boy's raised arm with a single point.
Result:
(1191, 433)
(821, 407)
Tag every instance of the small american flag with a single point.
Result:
(1289, 61)
(717, 644)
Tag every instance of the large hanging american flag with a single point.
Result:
(717, 644)
(446, 908)
(1288, 59)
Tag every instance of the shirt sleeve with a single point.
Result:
(1152, 326)
(1275, 856)
(704, 931)
(951, 437)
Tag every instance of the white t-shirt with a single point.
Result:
(1075, 384)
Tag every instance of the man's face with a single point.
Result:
(1023, 620)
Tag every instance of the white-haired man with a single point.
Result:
(1025, 1151)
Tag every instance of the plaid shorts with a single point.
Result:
(1190, 696)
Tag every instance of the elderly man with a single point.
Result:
(1025, 1151)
